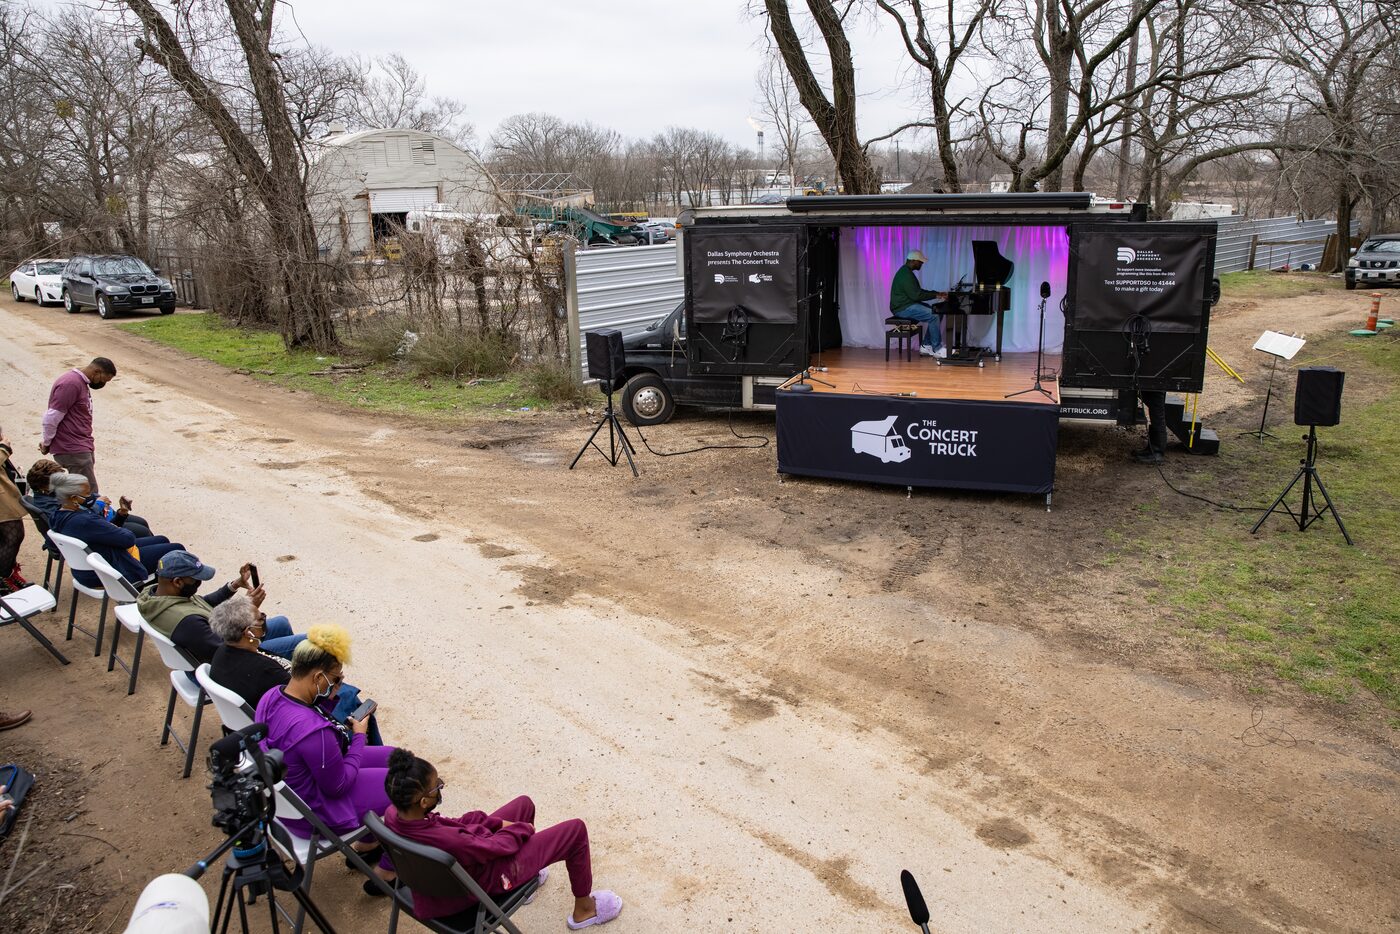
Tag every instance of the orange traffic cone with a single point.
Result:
(1375, 311)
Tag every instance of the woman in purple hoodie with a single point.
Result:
(328, 763)
(499, 850)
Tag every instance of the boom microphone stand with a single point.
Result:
(1039, 351)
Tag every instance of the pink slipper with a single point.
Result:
(544, 874)
(609, 907)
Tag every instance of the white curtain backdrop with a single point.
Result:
(870, 256)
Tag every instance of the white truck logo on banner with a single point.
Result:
(879, 439)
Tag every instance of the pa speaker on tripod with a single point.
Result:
(607, 363)
(1316, 401)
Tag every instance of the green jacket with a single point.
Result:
(165, 613)
(905, 289)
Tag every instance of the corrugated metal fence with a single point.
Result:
(1237, 234)
(624, 287)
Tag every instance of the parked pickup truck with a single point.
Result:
(659, 377)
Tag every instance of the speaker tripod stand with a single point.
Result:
(1308, 513)
(617, 439)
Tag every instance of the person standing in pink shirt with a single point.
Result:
(67, 425)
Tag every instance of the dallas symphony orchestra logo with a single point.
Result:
(1127, 256)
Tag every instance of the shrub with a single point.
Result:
(553, 382)
(462, 355)
(377, 339)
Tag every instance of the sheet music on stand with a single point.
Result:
(1285, 346)
(1280, 347)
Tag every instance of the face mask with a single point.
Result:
(96, 385)
(190, 589)
(330, 689)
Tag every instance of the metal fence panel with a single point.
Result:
(1236, 234)
(623, 287)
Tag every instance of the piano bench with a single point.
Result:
(905, 332)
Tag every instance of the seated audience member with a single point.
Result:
(241, 667)
(174, 609)
(112, 542)
(499, 850)
(329, 764)
(12, 516)
(38, 481)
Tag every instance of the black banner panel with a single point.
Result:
(1138, 306)
(744, 299)
(957, 444)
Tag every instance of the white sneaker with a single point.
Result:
(941, 353)
(925, 352)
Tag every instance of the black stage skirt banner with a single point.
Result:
(961, 444)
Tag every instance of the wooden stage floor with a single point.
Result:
(860, 370)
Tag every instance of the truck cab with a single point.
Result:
(659, 377)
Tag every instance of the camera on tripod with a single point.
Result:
(242, 778)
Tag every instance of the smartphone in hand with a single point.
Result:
(253, 573)
(364, 710)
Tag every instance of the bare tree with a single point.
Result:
(269, 156)
(1341, 54)
(936, 45)
(834, 117)
(781, 107)
(393, 95)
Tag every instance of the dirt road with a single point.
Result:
(766, 699)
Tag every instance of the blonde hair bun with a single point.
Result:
(332, 639)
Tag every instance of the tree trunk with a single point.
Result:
(305, 318)
(1339, 263)
(1061, 48)
(1125, 146)
(836, 118)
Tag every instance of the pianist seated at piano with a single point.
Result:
(908, 300)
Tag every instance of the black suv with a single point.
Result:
(1377, 262)
(114, 283)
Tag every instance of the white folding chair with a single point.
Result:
(232, 708)
(76, 552)
(123, 595)
(182, 683)
(17, 607)
(41, 522)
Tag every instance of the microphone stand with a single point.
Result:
(1039, 356)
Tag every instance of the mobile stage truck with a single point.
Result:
(793, 300)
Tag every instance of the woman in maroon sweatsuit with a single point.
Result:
(500, 850)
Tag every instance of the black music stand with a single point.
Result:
(1277, 346)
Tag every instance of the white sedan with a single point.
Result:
(40, 279)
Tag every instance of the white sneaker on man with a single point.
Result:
(941, 353)
(925, 351)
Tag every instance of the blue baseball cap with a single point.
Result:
(183, 564)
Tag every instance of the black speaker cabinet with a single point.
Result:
(1318, 398)
(607, 360)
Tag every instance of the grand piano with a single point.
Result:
(988, 295)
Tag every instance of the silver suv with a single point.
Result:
(1377, 262)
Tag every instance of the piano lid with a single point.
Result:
(989, 265)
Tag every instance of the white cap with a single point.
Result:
(171, 904)
(915, 254)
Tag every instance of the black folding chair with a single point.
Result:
(434, 872)
(41, 522)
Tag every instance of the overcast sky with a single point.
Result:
(634, 65)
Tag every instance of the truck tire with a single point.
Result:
(1351, 284)
(647, 401)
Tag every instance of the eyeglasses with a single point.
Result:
(440, 786)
